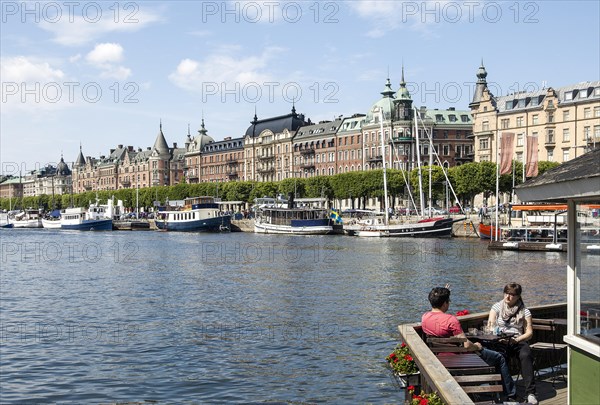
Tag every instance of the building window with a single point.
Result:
(484, 143)
(550, 136)
(520, 140)
(550, 117)
(597, 111)
(566, 115)
(521, 103)
(586, 132)
(550, 155)
(519, 157)
(583, 93)
(565, 155)
(519, 121)
(587, 112)
(485, 126)
(566, 135)
(568, 95)
(534, 119)
(504, 123)
(596, 133)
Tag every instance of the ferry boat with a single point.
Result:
(199, 214)
(292, 217)
(96, 218)
(29, 218)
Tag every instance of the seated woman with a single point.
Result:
(512, 317)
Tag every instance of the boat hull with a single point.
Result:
(27, 223)
(486, 231)
(214, 224)
(51, 224)
(296, 227)
(90, 225)
(441, 228)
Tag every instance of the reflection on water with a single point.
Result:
(132, 316)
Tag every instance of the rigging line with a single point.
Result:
(410, 195)
(442, 166)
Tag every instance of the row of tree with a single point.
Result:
(468, 180)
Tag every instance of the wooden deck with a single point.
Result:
(435, 377)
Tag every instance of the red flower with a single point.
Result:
(583, 313)
(403, 344)
(408, 357)
(392, 355)
(423, 401)
(410, 388)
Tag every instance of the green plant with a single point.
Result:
(401, 361)
(423, 398)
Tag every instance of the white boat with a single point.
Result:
(30, 218)
(51, 223)
(199, 214)
(288, 217)
(95, 218)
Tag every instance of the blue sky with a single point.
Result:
(101, 74)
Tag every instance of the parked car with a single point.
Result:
(454, 210)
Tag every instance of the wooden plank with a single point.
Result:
(477, 378)
(471, 389)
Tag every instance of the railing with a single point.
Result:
(436, 378)
(310, 151)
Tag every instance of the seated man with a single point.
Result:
(437, 323)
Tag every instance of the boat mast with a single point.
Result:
(419, 162)
(385, 193)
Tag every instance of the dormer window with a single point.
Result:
(568, 96)
(439, 117)
(521, 103)
(583, 93)
(464, 118)
(452, 118)
(509, 105)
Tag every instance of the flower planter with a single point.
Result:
(406, 380)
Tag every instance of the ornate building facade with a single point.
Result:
(565, 121)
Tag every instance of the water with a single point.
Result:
(224, 318)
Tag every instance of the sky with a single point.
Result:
(98, 74)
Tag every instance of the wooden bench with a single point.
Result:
(469, 370)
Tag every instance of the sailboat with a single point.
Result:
(424, 228)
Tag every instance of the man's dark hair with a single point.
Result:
(438, 297)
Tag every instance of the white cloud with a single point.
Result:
(20, 69)
(105, 53)
(387, 16)
(225, 66)
(29, 84)
(105, 57)
(77, 30)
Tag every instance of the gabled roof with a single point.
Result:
(326, 128)
(576, 179)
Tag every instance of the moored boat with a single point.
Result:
(96, 218)
(286, 217)
(199, 214)
(30, 218)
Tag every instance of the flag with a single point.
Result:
(532, 156)
(507, 141)
(335, 216)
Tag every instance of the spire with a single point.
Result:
(387, 90)
(202, 130)
(80, 161)
(160, 144)
(403, 93)
(480, 86)
(255, 120)
(294, 107)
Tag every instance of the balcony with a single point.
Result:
(550, 139)
(266, 157)
(126, 183)
(306, 152)
(403, 139)
(232, 174)
(266, 170)
(307, 165)
(375, 159)
(232, 162)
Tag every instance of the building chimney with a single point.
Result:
(120, 146)
(174, 145)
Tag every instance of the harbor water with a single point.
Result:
(104, 317)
